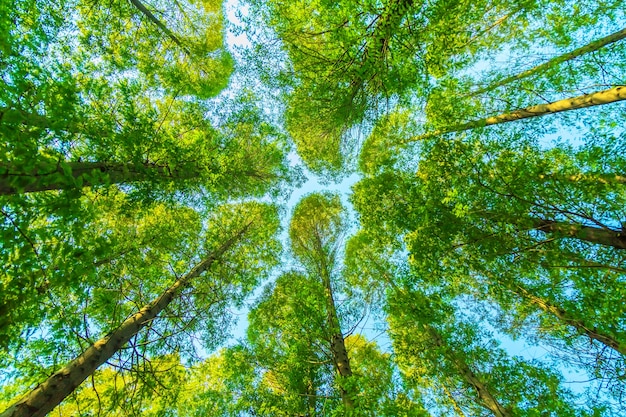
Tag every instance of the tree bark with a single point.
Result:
(598, 98)
(154, 20)
(590, 47)
(566, 318)
(593, 234)
(484, 395)
(45, 176)
(49, 394)
(337, 343)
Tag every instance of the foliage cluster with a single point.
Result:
(141, 194)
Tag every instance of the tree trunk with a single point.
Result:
(337, 345)
(598, 98)
(598, 235)
(484, 395)
(154, 20)
(44, 176)
(590, 47)
(49, 394)
(566, 318)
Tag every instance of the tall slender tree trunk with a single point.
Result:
(49, 394)
(590, 47)
(155, 21)
(337, 344)
(593, 234)
(315, 232)
(484, 395)
(336, 341)
(567, 318)
(487, 399)
(598, 98)
(44, 176)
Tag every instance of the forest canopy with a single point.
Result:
(418, 207)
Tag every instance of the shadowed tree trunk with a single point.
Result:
(49, 394)
(44, 176)
(486, 399)
(567, 318)
(484, 395)
(337, 342)
(593, 234)
(315, 231)
(154, 20)
(338, 348)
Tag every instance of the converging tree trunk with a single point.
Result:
(485, 396)
(567, 318)
(49, 394)
(586, 49)
(593, 234)
(154, 20)
(337, 342)
(61, 175)
(315, 232)
(338, 348)
(598, 98)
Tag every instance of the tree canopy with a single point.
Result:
(461, 253)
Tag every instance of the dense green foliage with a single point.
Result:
(477, 268)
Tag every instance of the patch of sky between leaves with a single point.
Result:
(235, 40)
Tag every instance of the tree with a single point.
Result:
(235, 229)
(177, 47)
(176, 147)
(354, 63)
(88, 116)
(446, 354)
(130, 161)
(315, 232)
(557, 60)
(474, 215)
(451, 356)
(289, 358)
(50, 260)
(289, 348)
(96, 109)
